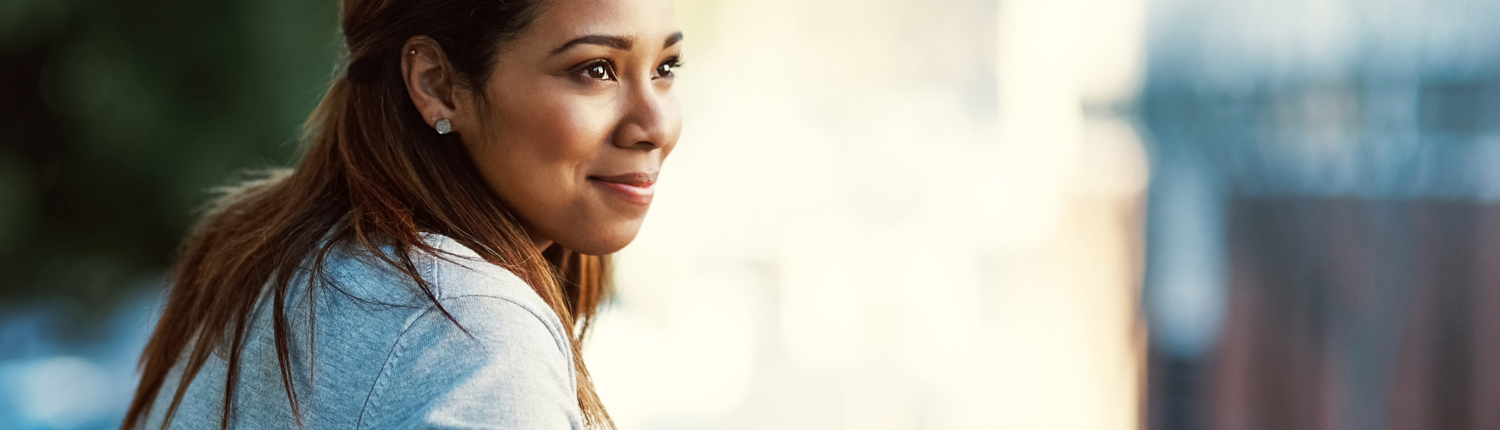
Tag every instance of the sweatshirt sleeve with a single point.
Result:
(510, 371)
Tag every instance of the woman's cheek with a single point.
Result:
(569, 128)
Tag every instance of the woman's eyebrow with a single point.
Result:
(616, 42)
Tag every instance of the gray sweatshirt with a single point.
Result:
(382, 356)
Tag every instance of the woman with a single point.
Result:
(437, 254)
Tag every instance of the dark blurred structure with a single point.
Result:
(1324, 226)
(117, 118)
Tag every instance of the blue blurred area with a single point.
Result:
(52, 379)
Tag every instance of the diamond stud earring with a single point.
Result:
(443, 126)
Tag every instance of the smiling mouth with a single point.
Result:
(634, 188)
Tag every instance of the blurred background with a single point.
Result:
(882, 214)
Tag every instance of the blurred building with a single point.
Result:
(1322, 227)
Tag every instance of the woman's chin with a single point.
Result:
(603, 241)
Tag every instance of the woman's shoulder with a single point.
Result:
(474, 292)
(484, 341)
(489, 363)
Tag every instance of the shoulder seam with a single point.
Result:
(386, 364)
(396, 347)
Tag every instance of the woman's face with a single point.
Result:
(578, 116)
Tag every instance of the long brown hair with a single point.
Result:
(372, 173)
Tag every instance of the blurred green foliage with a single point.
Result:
(118, 117)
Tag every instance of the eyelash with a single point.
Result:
(609, 69)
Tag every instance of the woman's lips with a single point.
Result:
(638, 179)
(637, 188)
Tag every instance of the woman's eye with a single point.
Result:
(666, 69)
(599, 71)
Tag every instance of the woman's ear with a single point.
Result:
(429, 80)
